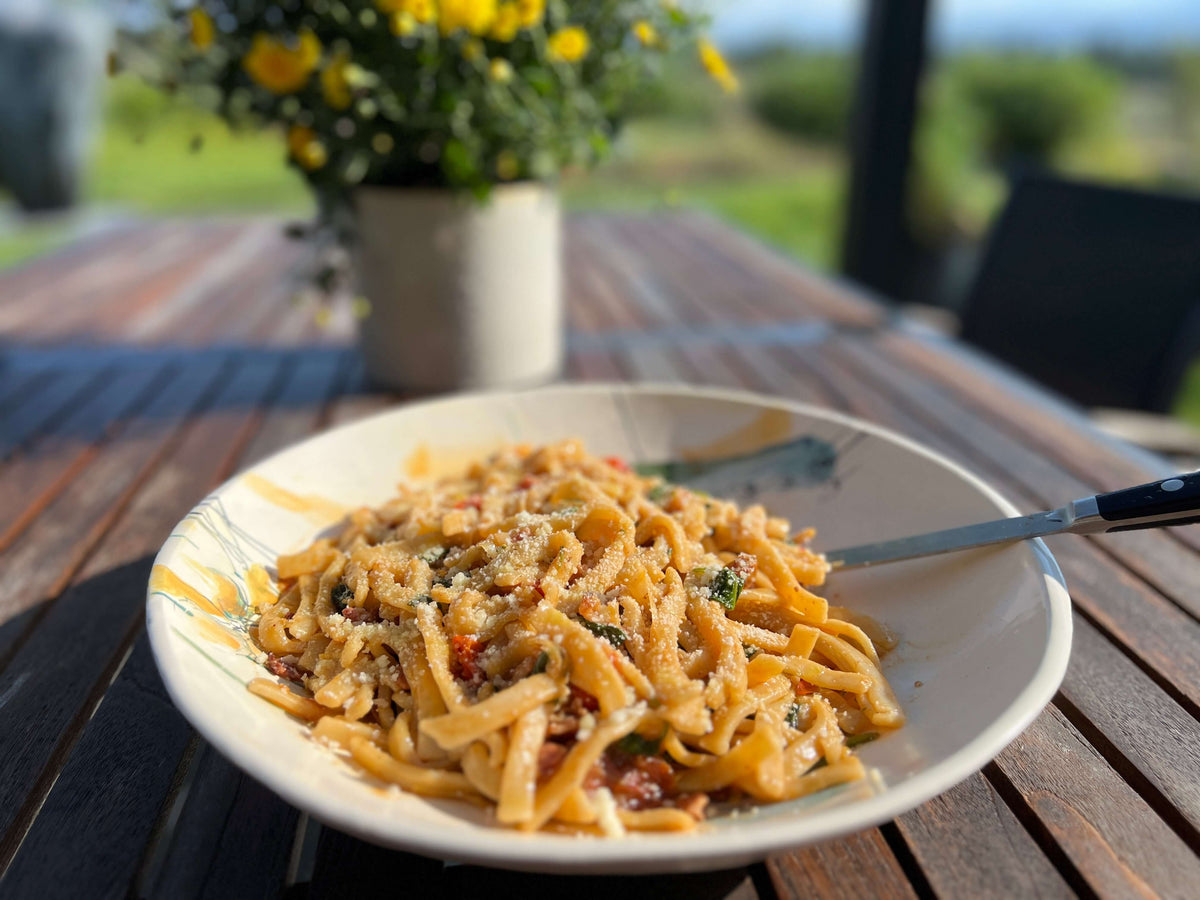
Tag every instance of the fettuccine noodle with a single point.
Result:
(577, 646)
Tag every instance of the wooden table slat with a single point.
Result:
(233, 838)
(861, 865)
(52, 681)
(244, 855)
(1152, 739)
(1117, 844)
(106, 798)
(30, 482)
(37, 412)
(970, 844)
(53, 546)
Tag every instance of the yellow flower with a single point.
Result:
(531, 12)
(305, 148)
(334, 85)
(472, 16)
(645, 33)
(403, 24)
(569, 44)
(279, 67)
(472, 49)
(506, 24)
(500, 70)
(714, 63)
(424, 11)
(201, 28)
(508, 166)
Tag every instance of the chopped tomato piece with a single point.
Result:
(617, 463)
(474, 501)
(526, 483)
(803, 687)
(466, 649)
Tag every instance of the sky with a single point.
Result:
(957, 23)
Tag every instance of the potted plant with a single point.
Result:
(440, 126)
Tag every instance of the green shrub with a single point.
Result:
(802, 94)
(679, 96)
(1031, 106)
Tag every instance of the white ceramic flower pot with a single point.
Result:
(462, 294)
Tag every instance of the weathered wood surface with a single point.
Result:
(175, 356)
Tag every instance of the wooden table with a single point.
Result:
(141, 367)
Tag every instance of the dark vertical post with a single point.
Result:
(876, 241)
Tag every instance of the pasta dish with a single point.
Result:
(577, 647)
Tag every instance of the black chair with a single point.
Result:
(1093, 291)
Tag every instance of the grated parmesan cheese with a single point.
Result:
(606, 812)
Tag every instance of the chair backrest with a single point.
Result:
(1091, 290)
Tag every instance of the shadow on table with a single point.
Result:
(79, 395)
(350, 868)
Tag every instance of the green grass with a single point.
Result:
(161, 156)
(798, 214)
(1187, 403)
(784, 192)
(29, 241)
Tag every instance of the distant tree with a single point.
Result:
(1030, 106)
(804, 94)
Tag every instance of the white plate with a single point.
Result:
(985, 635)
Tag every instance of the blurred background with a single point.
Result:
(1108, 92)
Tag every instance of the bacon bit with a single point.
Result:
(617, 463)
(538, 587)
(519, 534)
(637, 782)
(803, 687)
(474, 501)
(692, 804)
(358, 614)
(550, 757)
(526, 483)
(523, 669)
(745, 566)
(564, 721)
(284, 667)
(466, 649)
(581, 698)
(562, 725)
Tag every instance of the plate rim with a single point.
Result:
(504, 848)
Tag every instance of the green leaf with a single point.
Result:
(610, 633)
(856, 740)
(433, 554)
(636, 745)
(543, 660)
(726, 587)
(750, 650)
(793, 716)
(340, 595)
(660, 492)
